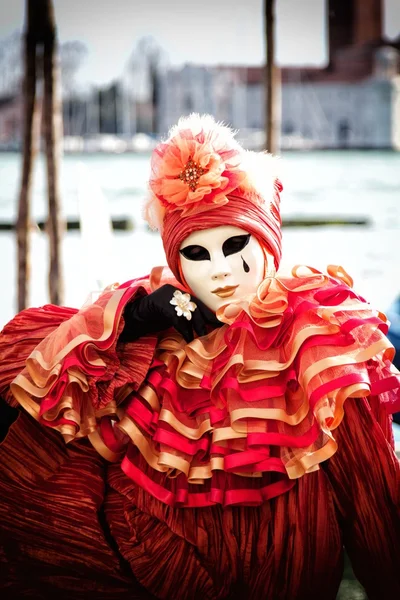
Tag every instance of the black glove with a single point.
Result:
(155, 313)
(8, 414)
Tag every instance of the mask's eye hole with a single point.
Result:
(235, 244)
(195, 253)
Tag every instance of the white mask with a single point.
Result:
(222, 264)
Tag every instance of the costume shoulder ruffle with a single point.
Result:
(238, 415)
(62, 365)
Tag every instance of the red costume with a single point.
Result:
(235, 466)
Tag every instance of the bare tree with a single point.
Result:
(40, 53)
(72, 55)
(52, 129)
(30, 147)
(272, 80)
(11, 64)
(146, 62)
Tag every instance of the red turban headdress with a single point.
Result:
(201, 178)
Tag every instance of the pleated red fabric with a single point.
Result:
(286, 548)
(53, 541)
(365, 478)
(291, 546)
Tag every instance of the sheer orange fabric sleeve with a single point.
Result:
(365, 476)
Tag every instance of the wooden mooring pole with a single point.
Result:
(272, 81)
(40, 61)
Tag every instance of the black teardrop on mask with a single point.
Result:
(246, 267)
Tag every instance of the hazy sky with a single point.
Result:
(201, 31)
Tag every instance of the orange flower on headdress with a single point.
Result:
(196, 167)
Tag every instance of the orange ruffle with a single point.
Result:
(76, 375)
(261, 395)
(234, 417)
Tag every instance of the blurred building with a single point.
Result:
(107, 111)
(354, 102)
(182, 91)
